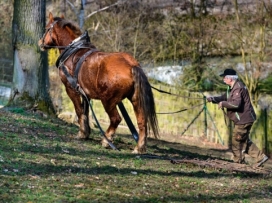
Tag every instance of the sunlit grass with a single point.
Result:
(40, 162)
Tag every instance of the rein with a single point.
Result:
(100, 128)
(164, 92)
(58, 47)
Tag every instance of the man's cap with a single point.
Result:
(228, 72)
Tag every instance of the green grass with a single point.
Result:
(40, 162)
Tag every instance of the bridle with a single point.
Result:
(49, 30)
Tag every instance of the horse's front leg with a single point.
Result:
(82, 110)
(115, 119)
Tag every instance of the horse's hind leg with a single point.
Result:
(82, 111)
(142, 125)
(115, 119)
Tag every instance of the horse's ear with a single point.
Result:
(62, 16)
(51, 18)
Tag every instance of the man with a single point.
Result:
(241, 112)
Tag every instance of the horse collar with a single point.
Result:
(84, 37)
(83, 41)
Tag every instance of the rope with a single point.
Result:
(181, 110)
(162, 91)
(97, 123)
(204, 108)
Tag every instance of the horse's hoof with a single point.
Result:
(135, 151)
(81, 136)
(105, 143)
(139, 151)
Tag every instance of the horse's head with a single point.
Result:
(59, 32)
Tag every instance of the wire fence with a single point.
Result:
(181, 114)
(5, 91)
(6, 75)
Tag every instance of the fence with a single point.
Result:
(187, 115)
(177, 115)
(6, 74)
(180, 115)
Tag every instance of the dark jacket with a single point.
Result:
(238, 104)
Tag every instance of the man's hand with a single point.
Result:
(209, 99)
(220, 105)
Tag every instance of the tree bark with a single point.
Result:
(31, 78)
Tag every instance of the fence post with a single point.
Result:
(205, 116)
(265, 131)
(230, 132)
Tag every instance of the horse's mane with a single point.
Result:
(70, 24)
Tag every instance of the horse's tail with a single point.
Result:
(144, 93)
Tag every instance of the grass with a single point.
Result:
(41, 162)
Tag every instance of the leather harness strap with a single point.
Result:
(83, 42)
(81, 60)
(73, 80)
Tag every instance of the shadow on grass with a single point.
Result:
(47, 154)
(181, 197)
(147, 168)
(76, 150)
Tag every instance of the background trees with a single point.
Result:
(203, 36)
(5, 43)
(206, 37)
(252, 41)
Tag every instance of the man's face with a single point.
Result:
(227, 80)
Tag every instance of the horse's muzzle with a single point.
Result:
(41, 45)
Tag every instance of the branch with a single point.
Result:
(105, 8)
(72, 7)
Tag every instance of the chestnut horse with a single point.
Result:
(109, 77)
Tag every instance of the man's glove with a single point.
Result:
(209, 99)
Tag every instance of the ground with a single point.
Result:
(41, 162)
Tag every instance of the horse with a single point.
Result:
(106, 76)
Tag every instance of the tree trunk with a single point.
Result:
(31, 78)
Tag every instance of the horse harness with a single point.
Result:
(82, 42)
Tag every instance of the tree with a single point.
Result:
(196, 39)
(31, 80)
(253, 47)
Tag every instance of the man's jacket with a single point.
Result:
(238, 105)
